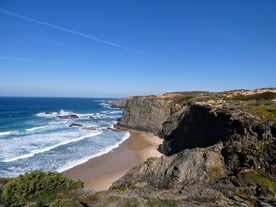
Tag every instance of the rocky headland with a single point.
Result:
(117, 103)
(219, 149)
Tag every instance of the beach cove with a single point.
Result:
(100, 172)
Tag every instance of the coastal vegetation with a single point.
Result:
(65, 203)
(257, 96)
(41, 188)
(263, 113)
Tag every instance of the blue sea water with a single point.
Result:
(32, 137)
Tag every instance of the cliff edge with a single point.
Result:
(219, 148)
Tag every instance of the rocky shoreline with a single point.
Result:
(219, 149)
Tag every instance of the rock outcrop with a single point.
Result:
(145, 113)
(75, 125)
(220, 148)
(117, 103)
(69, 116)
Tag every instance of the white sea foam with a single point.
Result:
(109, 126)
(47, 114)
(34, 152)
(80, 115)
(62, 112)
(85, 159)
(53, 114)
(112, 112)
(116, 112)
(85, 115)
(105, 105)
(57, 122)
(36, 128)
(5, 133)
(49, 126)
(98, 116)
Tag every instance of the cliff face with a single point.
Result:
(145, 113)
(197, 126)
(221, 148)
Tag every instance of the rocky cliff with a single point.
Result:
(220, 148)
(146, 113)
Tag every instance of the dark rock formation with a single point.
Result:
(75, 125)
(69, 116)
(47, 112)
(196, 127)
(197, 177)
(145, 113)
(221, 148)
(117, 103)
(90, 128)
(182, 169)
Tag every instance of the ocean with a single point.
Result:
(32, 137)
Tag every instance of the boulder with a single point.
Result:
(75, 125)
(69, 116)
(90, 128)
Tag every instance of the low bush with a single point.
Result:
(40, 187)
(263, 113)
(257, 96)
(65, 203)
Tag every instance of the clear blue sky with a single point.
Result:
(108, 48)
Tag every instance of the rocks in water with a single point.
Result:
(97, 116)
(90, 128)
(68, 116)
(75, 125)
(117, 103)
(114, 129)
(48, 113)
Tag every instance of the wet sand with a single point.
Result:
(99, 173)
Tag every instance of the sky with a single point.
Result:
(107, 48)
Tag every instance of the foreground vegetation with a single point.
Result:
(51, 189)
(38, 188)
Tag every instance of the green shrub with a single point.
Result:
(150, 186)
(40, 187)
(124, 188)
(257, 96)
(65, 203)
(132, 202)
(257, 178)
(182, 99)
(264, 113)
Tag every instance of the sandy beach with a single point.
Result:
(99, 173)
